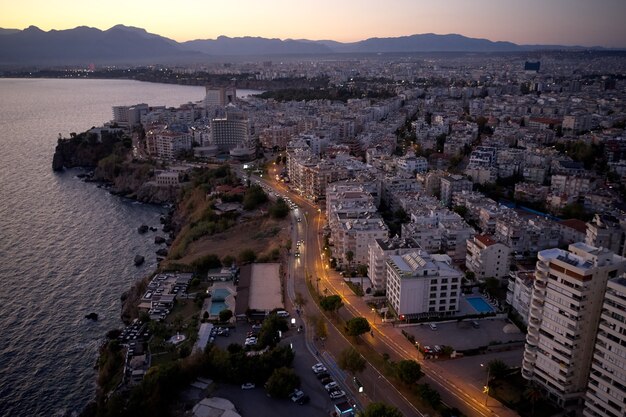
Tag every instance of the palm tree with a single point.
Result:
(533, 394)
(350, 258)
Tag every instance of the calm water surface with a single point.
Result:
(66, 247)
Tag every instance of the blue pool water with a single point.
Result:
(217, 306)
(480, 305)
(219, 294)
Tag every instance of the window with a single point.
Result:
(433, 288)
(443, 287)
(444, 280)
(453, 294)
(453, 287)
(432, 302)
(430, 309)
(442, 308)
(442, 301)
(433, 295)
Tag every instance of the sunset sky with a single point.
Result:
(565, 22)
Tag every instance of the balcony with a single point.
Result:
(528, 370)
(530, 356)
(532, 339)
(537, 303)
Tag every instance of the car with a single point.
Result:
(331, 386)
(323, 375)
(299, 219)
(282, 313)
(326, 381)
(432, 326)
(475, 324)
(318, 368)
(337, 394)
(296, 395)
(303, 400)
(248, 385)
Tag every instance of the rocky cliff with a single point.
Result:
(86, 149)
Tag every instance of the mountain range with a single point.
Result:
(130, 45)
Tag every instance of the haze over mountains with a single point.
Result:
(130, 45)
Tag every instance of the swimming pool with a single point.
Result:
(219, 294)
(217, 306)
(480, 305)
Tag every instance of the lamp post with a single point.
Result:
(486, 387)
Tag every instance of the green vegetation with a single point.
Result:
(282, 382)
(225, 315)
(351, 360)
(254, 197)
(331, 303)
(380, 410)
(409, 371)
(338, 94)
(279, 210)
(268, 335)
(357, 326)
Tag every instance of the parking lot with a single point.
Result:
(462, 335)
(254, 402)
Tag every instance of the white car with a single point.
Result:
(337, 394)
(247, 385)
(318, 368)
(331, 386)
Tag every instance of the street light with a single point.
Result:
(486, 387)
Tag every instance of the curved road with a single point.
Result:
(387, 339)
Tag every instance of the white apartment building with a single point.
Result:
(219, 96)
(564, 314)
(452, 184)
(423, 284)
(519, 292)
(606, 392)
(229, 132)
(487, 257)
(607, 231)
(412, 164)
(570, 185)
(354, 235)
(379, 251)
(169, 144)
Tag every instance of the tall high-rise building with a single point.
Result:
(230, 131)
(606, 392)
(219, 96)
(564, 313)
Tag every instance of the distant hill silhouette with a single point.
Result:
(130, 45)
(248, 45)
(81, 45)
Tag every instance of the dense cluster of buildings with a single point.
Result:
(550, 134)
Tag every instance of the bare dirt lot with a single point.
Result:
(260, 234)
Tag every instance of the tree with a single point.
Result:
(357, 326)
(268, 335)
(380, 410)
(279, 210)
(282, 382)
(299, 300)
(331, 303)
(533, 394)
(225, 315)
(349, 258)
(497, 369)
(409, 371)
(351, 360)
(247, 256)
(429, 394)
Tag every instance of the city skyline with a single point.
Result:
(559, 22)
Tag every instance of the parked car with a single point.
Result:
(326, 381)
(432, 326)
(331, 386)
(337, 394)
(248, 385)
(318, 368)
(322, 375)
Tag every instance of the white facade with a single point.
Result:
(564, 314)
(419, 283)
(487, 258)
(519, 292)
(168, 144)
(606, 392)
(379, 251)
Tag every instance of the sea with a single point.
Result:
(66, 246)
